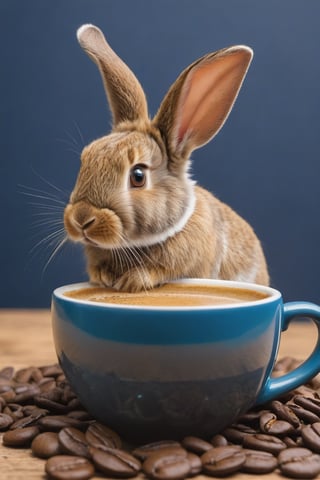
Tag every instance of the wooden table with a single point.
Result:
(26, 340)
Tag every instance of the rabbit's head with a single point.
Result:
(133, 187)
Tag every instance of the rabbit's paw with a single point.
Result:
(100, 276)
(134, 281)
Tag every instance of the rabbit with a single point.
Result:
(141, 217)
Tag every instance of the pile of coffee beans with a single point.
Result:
(39, 411)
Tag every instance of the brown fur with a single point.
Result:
(137, 238)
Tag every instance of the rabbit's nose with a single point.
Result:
(86, 224)
(78, 219)
(82, 215)
(82, 222)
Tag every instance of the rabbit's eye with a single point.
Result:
(137, 176)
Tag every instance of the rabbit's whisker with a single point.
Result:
(49, 195)
(126, 257)
(72, 138)
(51, 185)
(119, 260)
(70, 146)
(56, 249)
(43, 222)
(48, 239)
(48, 205)
(72, 142)
(57, 208)
(44, 214)
(79, 133)
(143, 253)
(136, 262)
(33, 195)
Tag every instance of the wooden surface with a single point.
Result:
(26, 340)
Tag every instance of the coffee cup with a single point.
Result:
(187, 364)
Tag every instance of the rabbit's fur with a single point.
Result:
(141, 217)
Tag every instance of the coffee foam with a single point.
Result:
(169, 295)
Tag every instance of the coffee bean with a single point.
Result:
(46, 445)
(51, 401)
(28, 420)
(304, 414)
(54, 394)
(23, 422)
(54, 423)
(28, 409)
(237, 433)
(290, 442)
(98, 434)
(7, 373)
(20, 437)
(243, 428)
(2, 404)
(6, 382)
(36, 375)
(67, 467)
(167, 465)
(170, 451)
(267, 443)
(259, 462)
(306, 391)
(311, 404)
(73, 442)
(195, 464)
(144, 451)
(284, 412)
(9, 395)
(5, 421)
(73, 404)
(115, 462)
(222, 461)
(311, 436)
(196, 445)
(34, 411)
(80, 415)
(299, 463)
(270, 424)
(68, 394)
(219, 440)
(51, 370)
(26, 393)
(4, 388)
(46, 384)
(314, 383)
(15, 410)
(251, 418)
(23, 375)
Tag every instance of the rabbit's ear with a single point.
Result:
(199, 102)
(125, 94)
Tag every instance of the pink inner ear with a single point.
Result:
(181, 125)
(208, 95)
(181, 135)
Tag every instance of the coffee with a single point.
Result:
(170, 295)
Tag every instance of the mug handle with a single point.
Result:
(274, 387)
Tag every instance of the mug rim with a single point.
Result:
(272, 295)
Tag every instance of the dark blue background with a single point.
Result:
(265, 162)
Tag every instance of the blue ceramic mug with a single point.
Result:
(153, 372)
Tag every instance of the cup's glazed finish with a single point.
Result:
(160, 372)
